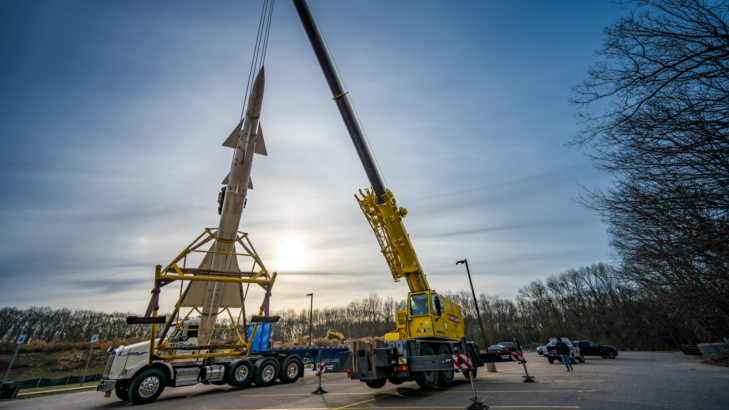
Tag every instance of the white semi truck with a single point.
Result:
(129, 374)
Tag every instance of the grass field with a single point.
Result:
(52, 365)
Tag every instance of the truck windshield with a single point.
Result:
(419, 304)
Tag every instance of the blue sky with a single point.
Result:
(113, 114)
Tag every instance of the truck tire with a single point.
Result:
(291, 370)
(445, 377)
(267, 373)
(122, 392)
(551, 361)
(426, 379)
(376, 384)
(239, 374)
(147, 386)
(474, 359)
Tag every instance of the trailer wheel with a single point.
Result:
(445, 377)
(240, 374)
(376, 384)
(267, 373)
(291, 370)
(474, 359)
(122, 392)
(426, 379)
(147, 386)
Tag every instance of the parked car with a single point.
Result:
(509, 345)
(499, 349)
(541, 349)
(575, 352)
(590, 348)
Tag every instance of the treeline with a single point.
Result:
(655, 110)
(595, 303)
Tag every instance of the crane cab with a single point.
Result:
(428, 316)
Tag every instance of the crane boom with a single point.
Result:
(340, 97)
(378, 206)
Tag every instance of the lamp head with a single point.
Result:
(461, 262)
(310, 294)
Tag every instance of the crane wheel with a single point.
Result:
(376, 384)
(445, 377)
(426, 379)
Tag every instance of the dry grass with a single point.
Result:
(721, 362)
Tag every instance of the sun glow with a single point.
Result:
(291, 254)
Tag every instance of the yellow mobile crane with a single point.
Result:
(431, 325)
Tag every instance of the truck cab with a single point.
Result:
(428, 315)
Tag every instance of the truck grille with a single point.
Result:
(109, 362)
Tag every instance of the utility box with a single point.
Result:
(9, 390)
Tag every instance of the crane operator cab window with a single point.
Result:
(419, 304)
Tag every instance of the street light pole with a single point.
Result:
(311, 318)
(556, 315)
(491, 367)
(475, 301)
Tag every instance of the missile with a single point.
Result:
(247, 140)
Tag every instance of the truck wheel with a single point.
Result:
(267, 373)
(240, 374)
(147, 386)
(611, 355)
(474, 359)
(445, 377)
(291, 369)
(376, 384)
(122, 392)
(551, 361)
(426, 379)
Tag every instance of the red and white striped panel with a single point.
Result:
(518, 356)
(462, 361)
(321, 368)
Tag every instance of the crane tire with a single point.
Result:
(426, 379)
(376, 384)
(445, 377)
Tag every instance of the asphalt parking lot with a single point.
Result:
(635, 380)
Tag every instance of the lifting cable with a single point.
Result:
(259, 50)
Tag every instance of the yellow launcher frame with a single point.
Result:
(173, 272)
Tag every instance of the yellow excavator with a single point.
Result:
(431, 325)
(333, 334)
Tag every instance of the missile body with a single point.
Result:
(247, 140)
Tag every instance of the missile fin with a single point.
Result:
(225, 181)
(232, 139)
(250, 183)
(260, 144)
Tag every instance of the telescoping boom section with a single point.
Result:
(441, 318)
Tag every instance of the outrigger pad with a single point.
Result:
(135, 320)
(266, 319)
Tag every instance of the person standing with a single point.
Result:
(564, 352)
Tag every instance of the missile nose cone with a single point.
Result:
(256, 99)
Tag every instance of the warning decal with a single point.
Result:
(454, 318)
